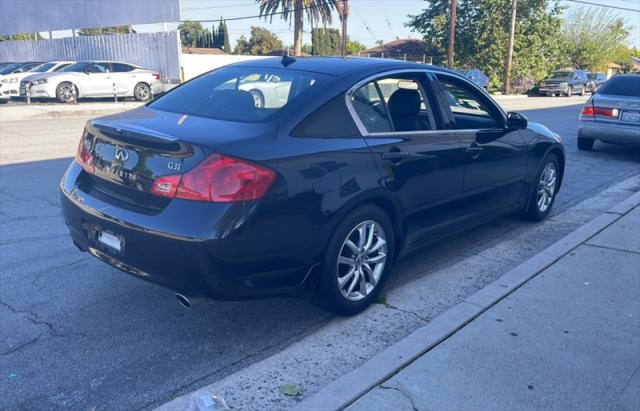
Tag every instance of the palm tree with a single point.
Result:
(316, 10)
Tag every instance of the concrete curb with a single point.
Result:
(345, 390)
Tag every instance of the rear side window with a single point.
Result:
(239, 94)
(370, 108)
(628, 86)
(336, 114)
(121, 68)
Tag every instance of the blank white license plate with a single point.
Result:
(632, 116)
(110, 240)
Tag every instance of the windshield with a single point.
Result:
(592, 76)
(628, 86)
(77, 66)
(43, 68)
(238, 94)
(561, 74)
(9, 69)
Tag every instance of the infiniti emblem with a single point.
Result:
(121, 154)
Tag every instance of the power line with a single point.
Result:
(257, 16)
(364, 24)
(603, 5)
(386, 16)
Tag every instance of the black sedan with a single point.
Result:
(355, 162)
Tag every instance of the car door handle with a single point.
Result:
(475, 151)
(395, 155)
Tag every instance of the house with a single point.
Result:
(401, 49)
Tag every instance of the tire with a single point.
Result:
(584, 90)
(258, 98)
(585, 144)
(570, 91)
(330, 295)
(535, 211)
(65, 92)
(142, 92)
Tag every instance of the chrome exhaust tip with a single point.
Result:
(183, 300)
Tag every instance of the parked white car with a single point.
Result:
(95, 79)
(11, 82)
(6, 72)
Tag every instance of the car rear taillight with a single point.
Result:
(218, 178)
(84, 156)
(600, 111)
(156, 76)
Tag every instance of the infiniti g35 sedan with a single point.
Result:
(211, 194)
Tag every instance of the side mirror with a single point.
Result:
(85, 71)
(516, 121)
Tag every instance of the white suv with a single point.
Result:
(95, 79)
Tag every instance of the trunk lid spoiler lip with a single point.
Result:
(133, 131)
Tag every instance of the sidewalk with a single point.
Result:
(567, 337)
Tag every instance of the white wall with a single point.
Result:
(195, 64)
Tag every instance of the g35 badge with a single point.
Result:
(174, 166)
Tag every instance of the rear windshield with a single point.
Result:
(622, 86)
(238, 93)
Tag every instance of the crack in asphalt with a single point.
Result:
(402, 310)
(39, 274)
(35, 319)
(404, 394)
(21, 346)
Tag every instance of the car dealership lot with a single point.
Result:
(80, 334)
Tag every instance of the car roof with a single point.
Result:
(336, 66)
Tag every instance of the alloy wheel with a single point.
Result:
(547, 187)
(361, 260)
(66, 93)
(142, 92)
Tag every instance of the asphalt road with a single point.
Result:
(77, 334)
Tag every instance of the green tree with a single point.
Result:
(22, 36)
(306, 48)
(354, 47)
(190, 33)
(261, 42)
(225, 35)
(106, 30)
(325, 42)
(594, 37)
(482, 31)
(317, 11)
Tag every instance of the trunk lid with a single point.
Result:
(628, 108)
(131, 150)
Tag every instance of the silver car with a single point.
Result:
(612, 114)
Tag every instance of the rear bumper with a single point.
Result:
(214, 250)
(610, 133)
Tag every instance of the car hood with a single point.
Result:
(556, 79)
(37, 76)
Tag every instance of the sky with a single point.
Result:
(369, 20)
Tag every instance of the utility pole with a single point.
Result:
(512, 32)
(343, 11)
(452, 32)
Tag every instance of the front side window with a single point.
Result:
(239, 94)
(468, 107)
